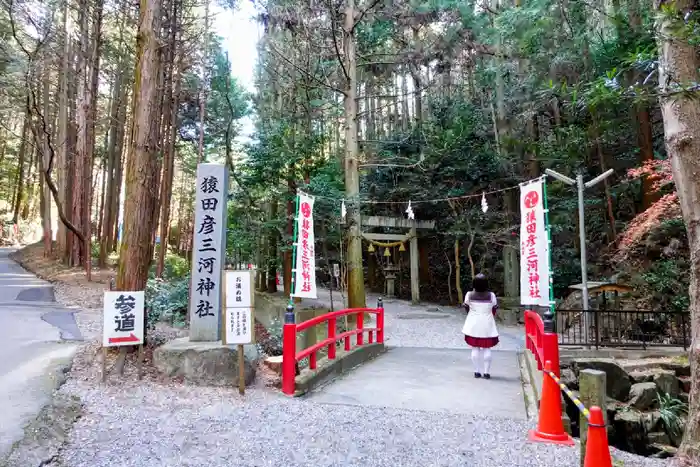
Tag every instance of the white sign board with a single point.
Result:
(305, 272)
(123, 318)
(239, 319)
(239, 291)
(336, 270)
(239, 326)
(534, 246)
(208, 252)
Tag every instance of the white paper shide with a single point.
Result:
(123, 318)
(534, 246)
(305, 273)
(239, 320)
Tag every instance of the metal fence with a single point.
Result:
(624, 328)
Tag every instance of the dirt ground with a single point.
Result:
(70, 283)
(73, 290)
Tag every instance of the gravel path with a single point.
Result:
(154, 423)
(438, 327)
(149, 426)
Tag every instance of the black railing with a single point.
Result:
(623, 328)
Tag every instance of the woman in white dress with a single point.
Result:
(479, 328)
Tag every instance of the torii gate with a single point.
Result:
(400, 223)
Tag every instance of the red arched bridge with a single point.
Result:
(292, 356)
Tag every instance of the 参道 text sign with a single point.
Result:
(239, 318)
(305, 274)
(123, 318)
(208, 252)
(534, 246)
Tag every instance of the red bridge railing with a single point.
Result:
(291, 356)
(541, 339)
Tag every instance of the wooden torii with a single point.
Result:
(400, 223)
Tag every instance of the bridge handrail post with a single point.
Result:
(528, 332)
(380, 321)
(550, 342)
(289, 350)
(331, 335)
(360, 323)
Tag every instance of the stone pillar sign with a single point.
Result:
(208, 252)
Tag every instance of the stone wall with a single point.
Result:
(636, 390)
(270, 309)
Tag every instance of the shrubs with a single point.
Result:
(167, 298)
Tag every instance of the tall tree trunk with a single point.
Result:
(120, 154)
(108, 221)
(62, 130)
(173, 102)
(511, 259)
(642, 116)
(93, 82)
(681, 114)
(204, 84)
(646, 153)
(356, 276)
(272, 249)
(82, 156)
(142, 163)
(31, 171)
(288, 252)
(43, 163)
(19, 186)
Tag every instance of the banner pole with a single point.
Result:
(294, 250)
(549, 243)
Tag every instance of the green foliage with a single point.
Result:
(662, 276)
(167, 298)
(671, 412)
(666, 283)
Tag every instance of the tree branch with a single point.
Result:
(301, 70)
(363, 13)
(335, 44)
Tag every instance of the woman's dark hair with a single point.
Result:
(480, 283)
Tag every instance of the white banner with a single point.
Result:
(305, 272)
(534, 246)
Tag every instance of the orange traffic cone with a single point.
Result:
(550, 427)
(597, 449)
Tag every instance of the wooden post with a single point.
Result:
(415, 279)
(139, 363)
(104, 364)
(592, 385)
(241, 370)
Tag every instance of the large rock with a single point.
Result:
(204, 363)
(629, 433)
(631, 428)
(658, 437)
(662, 451)
(677, 435)
(685, 383)
(667, 382)
(618, 381)
(643, 395)
(568, 377)
(641, 376)
(680, 368)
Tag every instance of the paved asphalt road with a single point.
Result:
(38, 336)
